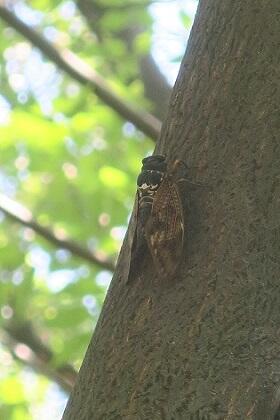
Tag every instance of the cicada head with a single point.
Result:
(152, 173)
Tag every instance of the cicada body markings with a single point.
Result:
(159, 218)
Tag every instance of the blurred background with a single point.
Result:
(77, 80)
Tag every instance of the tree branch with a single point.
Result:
(85, 75)
(36, 355)
(22, 215)
(157, 90)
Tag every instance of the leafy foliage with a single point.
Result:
(72, 161)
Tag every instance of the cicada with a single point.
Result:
(159, 218)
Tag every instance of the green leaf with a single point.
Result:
(30, 128)
(112, 177)
(186, 20)
(11, 391)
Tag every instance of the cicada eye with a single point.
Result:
(154, 163)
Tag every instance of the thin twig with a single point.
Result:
(36, 355)
(22, 215)
(156, 87)
(84, 74)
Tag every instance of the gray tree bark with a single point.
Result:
(206, 345)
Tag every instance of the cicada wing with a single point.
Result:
(164, 230)
(137, 241)
(133, 225)
(132, 237)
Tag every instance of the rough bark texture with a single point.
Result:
(207, 344)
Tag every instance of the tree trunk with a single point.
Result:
(206, 345)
